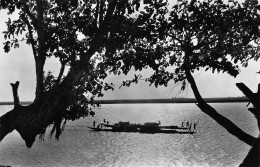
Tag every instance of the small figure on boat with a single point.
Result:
(190, 127)
(182, 124)
(104, 120)
(94, 123)
(159, 122)
(107, 122)
(188, 124)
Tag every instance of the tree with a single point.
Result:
(51, 28)
(197, 35)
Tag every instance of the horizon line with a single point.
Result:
(188, 99)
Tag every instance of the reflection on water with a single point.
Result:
(79, 146)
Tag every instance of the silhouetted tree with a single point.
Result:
(51, 28)
(192, 35)
(118, 37)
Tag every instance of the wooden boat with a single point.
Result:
(100, 129)
(148, 127)
(151, 132)
(111, 130)
(169, 131)
(173, 127)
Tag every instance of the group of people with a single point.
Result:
(184, 124)
(189, 125)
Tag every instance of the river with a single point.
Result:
(212, 145)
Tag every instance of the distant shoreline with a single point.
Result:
(11, 103)
(173, 100)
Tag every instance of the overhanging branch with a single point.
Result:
(220, 119)
(247, 92)
(254, 98)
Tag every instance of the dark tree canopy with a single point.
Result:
(117, 35)
(81, 34)
(195, 35)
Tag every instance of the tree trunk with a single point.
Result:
(254, 98)
(253, 157)
(39, 65)
(11, 120)
(223, 121)
(33, 120)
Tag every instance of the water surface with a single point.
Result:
(78, 146)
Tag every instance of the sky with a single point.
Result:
(18, 65)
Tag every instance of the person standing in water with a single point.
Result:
(194, 126)
(94, 123)
(190, 127)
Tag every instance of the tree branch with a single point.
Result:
(61, 72)
(110, 9)
(254, 98)
(30, 36)
(220, 119)
(177, 39)
(39, 8)
(96, 14)
(8, 121)
(15, 93)
(27, 11)
(101, 11)
(193, 86)
(99, 35)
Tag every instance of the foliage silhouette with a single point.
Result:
(80, 34)
(194, 35)
(117, 37)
